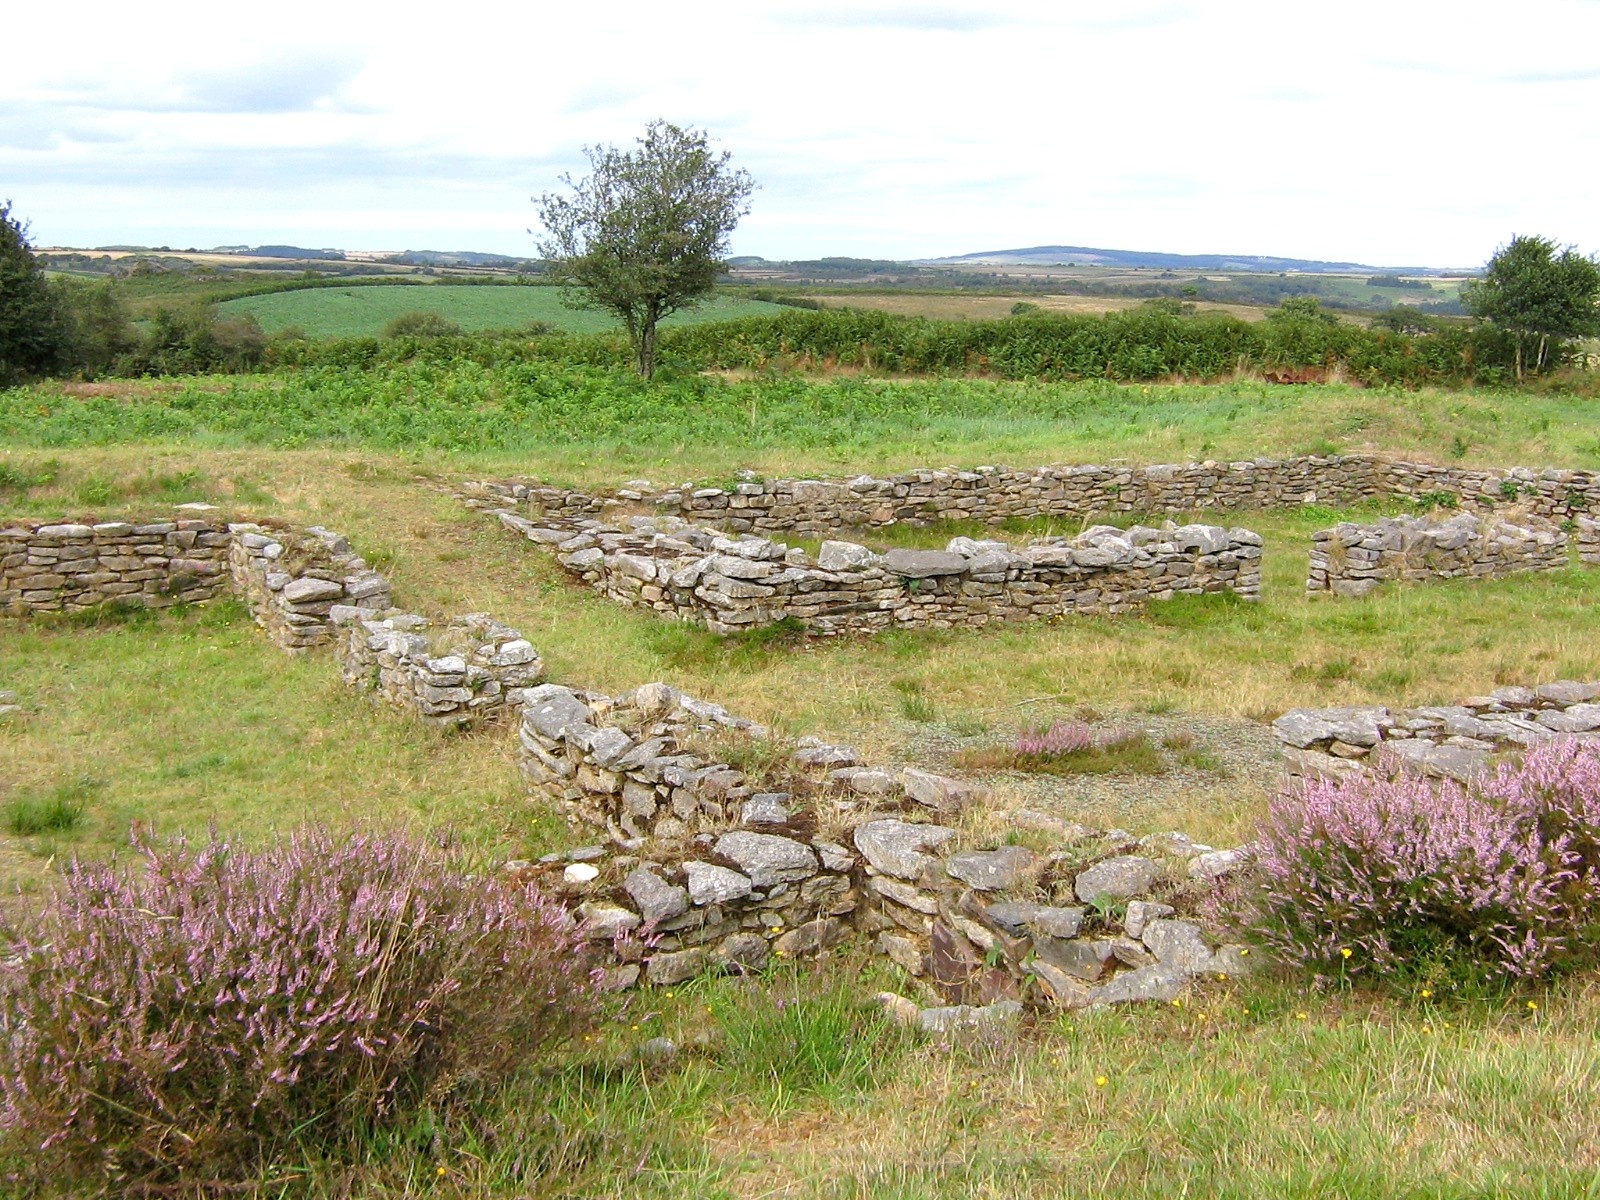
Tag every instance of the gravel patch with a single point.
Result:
(1220, 804)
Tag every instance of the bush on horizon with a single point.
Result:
(1389, 879)
(193, 1018)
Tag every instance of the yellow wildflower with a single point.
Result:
(1100, 1081)
(1345, 952)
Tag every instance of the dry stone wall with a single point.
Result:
(699, 574)
(711, 865)
(1352, 560)
(996, 494)
(1586, 532)
(1454, 741)
(467, 670)
(292, 579)
(68, 567)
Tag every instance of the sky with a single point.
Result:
(1402, 132)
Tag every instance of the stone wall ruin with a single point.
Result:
(70, 567)
(1454, 741)
(715, 865)
(698, 574)
(1352, 560)
(992, 495)
(304, 587)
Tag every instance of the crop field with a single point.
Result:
(364, 311)
(790, 1087)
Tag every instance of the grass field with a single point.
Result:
(364, 311)
(600, 426)
(1249, 1090)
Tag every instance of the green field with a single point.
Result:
(364, 311)
(791, 1086)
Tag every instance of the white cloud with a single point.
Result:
(1420, 133)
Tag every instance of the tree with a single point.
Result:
(31, 331)
(96, 330)
(1540, 297)
(644, 235)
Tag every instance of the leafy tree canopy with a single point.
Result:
(1542, 296)
(646, 232)
(30, 329)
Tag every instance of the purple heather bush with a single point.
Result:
(204, 1011)
(1501, 876)
(1060, 739)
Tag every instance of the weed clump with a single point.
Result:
(1394, 878)
(200, 1016)
(62, 809)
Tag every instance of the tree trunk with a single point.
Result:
(645, 348)
(1519, 356)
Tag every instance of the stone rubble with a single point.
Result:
(1352, 560)
(708, 865)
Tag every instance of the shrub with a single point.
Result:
(421, 323)
(193, 1019)
(1405, 873)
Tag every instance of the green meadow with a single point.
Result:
(327, 312)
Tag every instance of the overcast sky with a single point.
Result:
(1399, 132)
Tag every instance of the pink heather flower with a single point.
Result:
(1506, 871)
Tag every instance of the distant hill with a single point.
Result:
(299, 252)
(459, 258)
(1089, 256)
